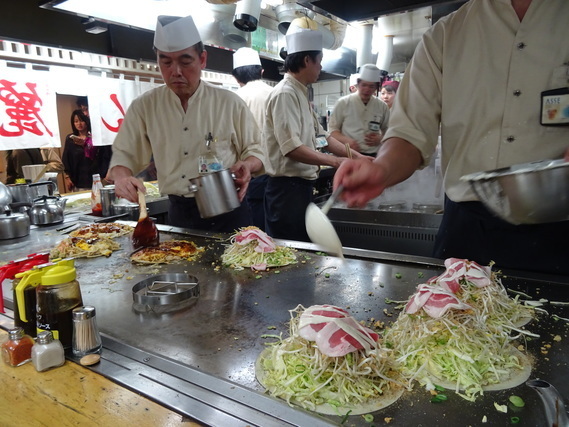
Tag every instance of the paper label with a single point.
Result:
(555, 109)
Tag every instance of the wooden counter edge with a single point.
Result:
(73, 395)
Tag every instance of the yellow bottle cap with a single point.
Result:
(58, 275)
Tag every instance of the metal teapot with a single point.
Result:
(47, 210)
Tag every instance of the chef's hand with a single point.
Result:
(362, 180)
(126, 185)
(242, 178)
(372, 139)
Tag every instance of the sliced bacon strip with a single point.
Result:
(335, 332)
(434, 300)
(250, 234)
(458, 269)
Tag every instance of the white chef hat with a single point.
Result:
(302, 40)
(245, 56)
(370, 73)
(354, 79)
(174, 33)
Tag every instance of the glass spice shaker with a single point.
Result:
(18, 349)
(86, 337)
(47, 352)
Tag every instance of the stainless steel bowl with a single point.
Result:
(529, 193)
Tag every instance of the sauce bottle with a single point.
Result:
(96, 206)
(18, 349)
(56, 297)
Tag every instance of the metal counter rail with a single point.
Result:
(190, 392)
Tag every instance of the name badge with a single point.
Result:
(321, 141)
(555, 107)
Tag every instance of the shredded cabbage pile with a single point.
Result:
(244, 256)
(295, 370)
(468, 348)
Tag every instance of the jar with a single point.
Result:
(96, 208)
(86, 337)
(56, 297)
(47, 352)
(18, 349)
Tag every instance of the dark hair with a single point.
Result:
(294, 62)
(247, 73)
(389, 88)
(82, 100)
(81, 115)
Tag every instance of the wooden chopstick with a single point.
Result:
(348, 151)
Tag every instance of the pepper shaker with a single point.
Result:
(18, 349)
(86, 337)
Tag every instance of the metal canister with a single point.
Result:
(107, 199)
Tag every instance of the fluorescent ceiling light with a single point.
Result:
(139, 13)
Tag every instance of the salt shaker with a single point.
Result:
(86, 337)
(47, 352)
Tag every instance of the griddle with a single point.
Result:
(200, 360)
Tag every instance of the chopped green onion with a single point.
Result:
(299, 369)
(345, 418)
(258, 276)
(368, 418)
(515, 420)
(439, 388)
(420, 274)
(398, 275)
(442, 396)
(517, 401)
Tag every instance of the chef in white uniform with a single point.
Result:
(172, 123)
(248, 72)
(361, 118)
(291, 132)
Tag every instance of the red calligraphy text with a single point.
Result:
(116, 128)
(23, 109)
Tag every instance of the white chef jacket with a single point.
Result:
(351, 117)
(289, 124)
(256, 96)
(156, 124)
(480, 72)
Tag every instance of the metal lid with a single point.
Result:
(16, 333)
(45, 337)
(83, 313)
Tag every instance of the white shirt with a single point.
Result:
(480, 72)
(156, 123)
(351, 117)
(256, 96)
(290, 123)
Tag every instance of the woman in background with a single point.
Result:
(388, 90)
(80, 157)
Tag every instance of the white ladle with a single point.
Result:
(320, 229)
